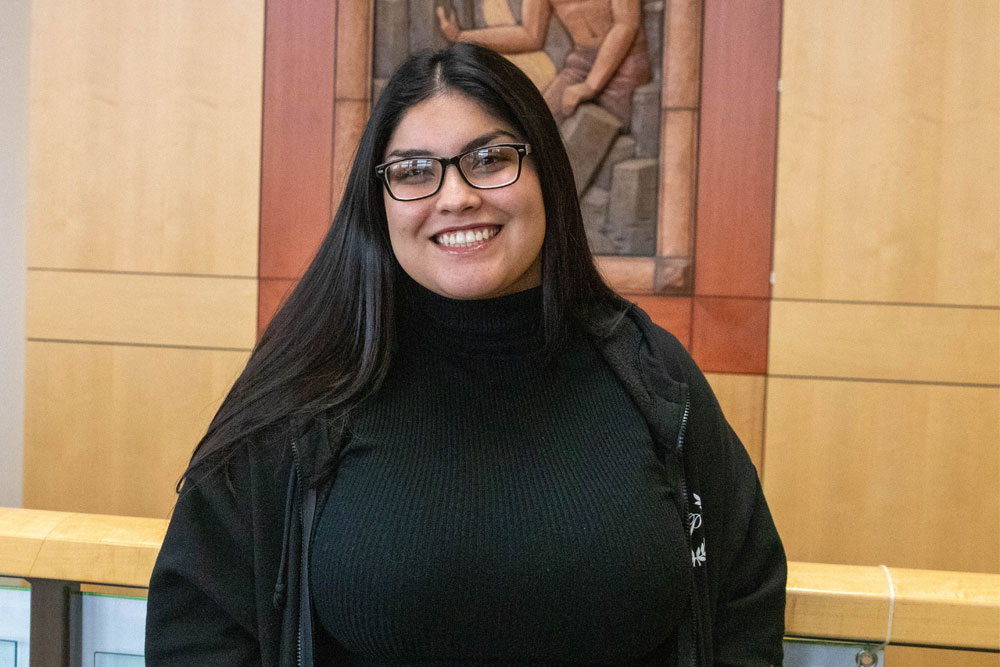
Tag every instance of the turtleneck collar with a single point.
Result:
(508, 325)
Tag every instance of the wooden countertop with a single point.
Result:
(958, 609)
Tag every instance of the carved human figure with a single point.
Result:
(609, 59)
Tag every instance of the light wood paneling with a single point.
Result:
(888, 163)
(742, 401)
(911, 656)
(23, 534)
(847, 340)
(79, 547)
(131, 308)
(868, 472)
(109, 428)
(929, 606)
(145, 135)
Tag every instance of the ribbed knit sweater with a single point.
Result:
(495, 507)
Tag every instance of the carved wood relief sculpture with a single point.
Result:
(621, 78)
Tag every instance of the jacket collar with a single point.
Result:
(632, 352)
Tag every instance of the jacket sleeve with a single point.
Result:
(201, 607)
(745, 560)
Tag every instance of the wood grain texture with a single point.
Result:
(144, 145)
(737, 148)
(913, 656)
(354, 50)
(930, 607)
(678, 169)
(21, 535)
(351, 116)
(147, 309)
(271, 294)
(682, 54)
(79, 547)
(110, 429)
(867, 472)
(296, 162)
(628, 275)
(850, 340)
(742, 401)
(671, 313)
(729, 335)
(888, 161)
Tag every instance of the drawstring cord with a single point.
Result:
(279, 586)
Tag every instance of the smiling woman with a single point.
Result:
(454, 444)
(468, 241)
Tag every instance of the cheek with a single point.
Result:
(400, 219)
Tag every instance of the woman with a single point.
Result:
(454, 444)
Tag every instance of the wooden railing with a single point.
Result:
(931, 608)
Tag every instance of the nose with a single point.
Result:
(455, 194)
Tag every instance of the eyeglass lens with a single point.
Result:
(486, 167)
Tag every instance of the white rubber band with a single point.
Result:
(892, 606)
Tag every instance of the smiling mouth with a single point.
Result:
(466, 238)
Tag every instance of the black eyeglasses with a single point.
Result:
(485, 168)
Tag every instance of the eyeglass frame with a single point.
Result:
(381, 169)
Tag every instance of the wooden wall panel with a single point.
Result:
(135, 308)
(909, 656)
(847, 340)
(144, 177)
(742, 401)
(872, 472)
(296, 161)
(145, 135)
(888, 163)
(729, 334)
(111, 427)
(739, 100)
(271, 294)
(353, 87)
(671, 313)
(351, 118)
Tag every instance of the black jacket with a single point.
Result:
(230, 587)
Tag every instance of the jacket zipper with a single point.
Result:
(687, 506)
(298, 498)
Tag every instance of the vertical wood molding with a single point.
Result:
(739, 114)
(298, 122)
(736, 174)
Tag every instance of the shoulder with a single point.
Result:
(638, 341)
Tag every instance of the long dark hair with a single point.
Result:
(329, 345)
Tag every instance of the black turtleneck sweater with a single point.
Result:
(493, 507)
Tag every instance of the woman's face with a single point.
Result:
(423, 233)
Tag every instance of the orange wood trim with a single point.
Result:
(298, 122)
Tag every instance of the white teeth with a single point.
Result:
(467, 238)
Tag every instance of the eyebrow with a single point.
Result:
(481, 140)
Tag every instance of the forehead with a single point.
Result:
(445, 123)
